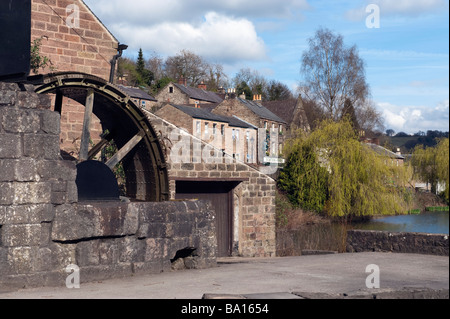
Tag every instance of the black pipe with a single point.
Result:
(120, 49)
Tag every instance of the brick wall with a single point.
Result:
(86, 47)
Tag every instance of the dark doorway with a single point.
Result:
(221, 196)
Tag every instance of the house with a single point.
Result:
(391, 158)
(140, 97)
(181, 94)
(292, 111)
(227, 134)
(271, 127)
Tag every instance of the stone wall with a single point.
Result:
(44, 229)
(411, 243)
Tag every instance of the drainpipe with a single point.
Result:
(120, 49)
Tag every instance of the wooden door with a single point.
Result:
(221, 197)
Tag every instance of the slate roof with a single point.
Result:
(284, 109)
(199, 94)
(137, 93)
(202, 114)
(261, 111)
(384, 152)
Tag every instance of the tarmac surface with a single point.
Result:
(337, 276)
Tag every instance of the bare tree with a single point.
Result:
(333, 73)
(189, 65)
(369, 118)
(156, 65)
(216, 77)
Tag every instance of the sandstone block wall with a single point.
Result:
(411, 243)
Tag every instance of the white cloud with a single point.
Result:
(217, 38)
(411, 119)
(155, 12)
(218, 30)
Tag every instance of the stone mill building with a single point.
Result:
(182, 193)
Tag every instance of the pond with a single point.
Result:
(431, 223)
(332, 236)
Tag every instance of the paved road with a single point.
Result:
(332, 275)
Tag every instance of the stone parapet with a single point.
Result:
(410, 243)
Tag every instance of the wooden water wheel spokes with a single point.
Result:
(138, 147)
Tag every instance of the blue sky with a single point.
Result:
(407, 58)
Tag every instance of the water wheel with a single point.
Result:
(138, 147)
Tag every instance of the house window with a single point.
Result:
(235, 134)
(199, 127)
(171, 89)
(143, 103)
(265, 125)
(281, 128)
(206, 128)
(214, 128)
(222, 130)
(273, 126)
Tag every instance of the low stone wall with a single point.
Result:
(106, 240)
(411, 243)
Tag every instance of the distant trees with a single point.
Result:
(155, 73)
(252, 83)
(431, 165)
(390, 132)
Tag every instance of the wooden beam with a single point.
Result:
(97, 148)
(120, 155)
(86, 135)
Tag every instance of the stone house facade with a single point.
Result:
(247, 227)
(74, 40)
(255, 113)
(227, 134)
(292, 112)
(181, 94)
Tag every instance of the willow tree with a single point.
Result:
(431, 165)
(341, 176)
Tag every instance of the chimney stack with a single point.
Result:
(202, 86)
(182, 81)
(257, 98)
